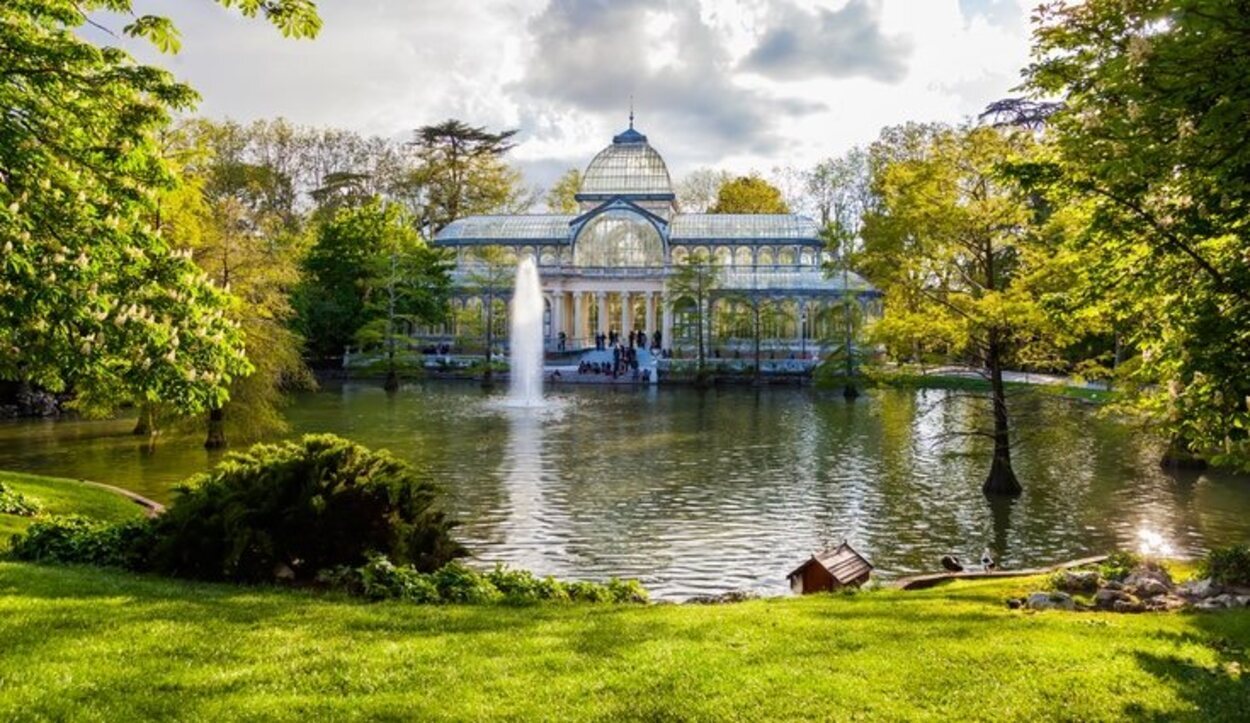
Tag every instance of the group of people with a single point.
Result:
(624, 362)
(636, 339)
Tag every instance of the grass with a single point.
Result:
(88, 643)
(907, 380)
(114, 646)
(60, 497)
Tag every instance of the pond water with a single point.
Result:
(700, 492)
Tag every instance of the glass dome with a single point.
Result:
(618, 238)
(630, 166)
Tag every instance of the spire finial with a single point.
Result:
(631, 111)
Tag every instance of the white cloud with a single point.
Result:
(708, 88)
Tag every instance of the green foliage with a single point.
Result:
(691, 285)
(301, 507)
(74, 539)
(1149, 143)
(1119, 564)
(13, 502)
(749, 194)
(454, 583)
(562, 196)
(1227, 565)
(91, 294)
(459, 584)
(461, 173)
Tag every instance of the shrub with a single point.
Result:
(82, 540)
(581, 591)
(459, 584)
(627, 591)
(297, 508)
(13, 502)
(380, 579)
(1227, 565)
(1119, 564)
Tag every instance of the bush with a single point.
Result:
(13, 502)
(294, 509)
(627, 591)
(380, 579)
(81, 540)
(1119, 564)
(459, 584)
(1227, 565)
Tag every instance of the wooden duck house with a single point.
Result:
(830, 570)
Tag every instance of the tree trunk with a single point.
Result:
(145, 426)
(759, 374)
(392, 380)
(1002, 478)
(216, 438)
(488, 375)
(1179, 457)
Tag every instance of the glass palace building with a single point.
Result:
(608, 268)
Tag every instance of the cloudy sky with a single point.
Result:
(735, 84)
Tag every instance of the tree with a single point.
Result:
(749, 194)
(1150, 132)
(462, 172)
(971, 241)
(562, 197)
(410, 285)
(697, 192)
(490, 275)
(249, 243)
(693, 282)
(93, 297)
(331, 298)
(757, 310)
(841, 191)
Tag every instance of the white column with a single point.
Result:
(602, 299)
(650, 314)
(579, 317)
(666, 332)
(625, 313)
(557, 317)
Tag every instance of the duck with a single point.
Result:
(952, 563)
(987, 560)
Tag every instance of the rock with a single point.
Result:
(1150, 587)
(1165, 603)
(1140, 575)
(733, 596)
(1208, 605)
(1015, 603)
(1113, 585)
(1128, 606)
(1049, 601)
(1224, 600)
(1242, 601)
(1106, 598)
(1200, 589)
(1079, 581)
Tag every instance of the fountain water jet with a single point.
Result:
(526, 342)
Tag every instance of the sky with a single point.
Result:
(733, 84)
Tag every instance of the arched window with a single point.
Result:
(724, 257)
(680, 255)
(764, 257)
(742, 257)
(785, 257)
(618, 238)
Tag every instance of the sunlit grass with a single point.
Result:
(117, 646)
(63, 496)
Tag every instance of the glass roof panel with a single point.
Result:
(725, 226)
(626, 168)
(789, 279)
(552, 228)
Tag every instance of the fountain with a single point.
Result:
(526, 342)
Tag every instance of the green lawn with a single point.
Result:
(88, 643)
(114, 646)
(63, 496)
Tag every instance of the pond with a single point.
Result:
(701, 492)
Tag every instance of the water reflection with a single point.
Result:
(697, 492)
